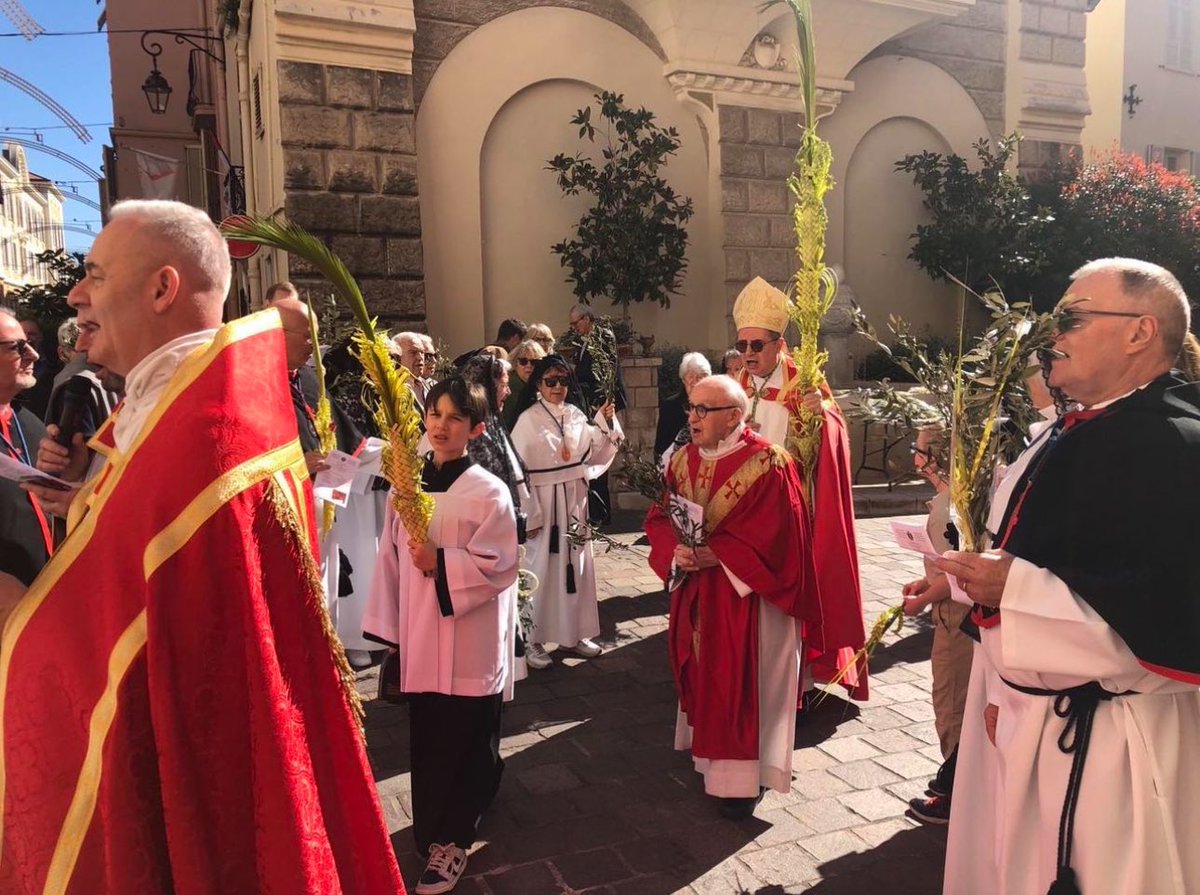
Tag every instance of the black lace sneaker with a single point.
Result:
(446, 865)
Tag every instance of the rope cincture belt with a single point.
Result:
(1077, 705)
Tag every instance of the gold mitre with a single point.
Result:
(762, 305)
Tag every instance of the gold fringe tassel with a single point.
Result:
(287, 520)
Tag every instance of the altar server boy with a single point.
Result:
(448, 604)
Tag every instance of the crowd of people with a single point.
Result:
(182, 620)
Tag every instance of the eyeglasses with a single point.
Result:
(18, 346)
(754, 346)
(1070, 319)
(524, 361)
(703, 410)
(431, 355)
(554, 381)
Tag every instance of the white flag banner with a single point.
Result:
(157, 174)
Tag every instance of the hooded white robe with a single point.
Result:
(561, 487)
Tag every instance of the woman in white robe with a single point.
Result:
(562, 452)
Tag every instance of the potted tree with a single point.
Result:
(631, 244)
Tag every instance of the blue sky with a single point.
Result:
(74, 72)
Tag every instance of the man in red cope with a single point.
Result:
(175, 714)
(736, 615)
(771, 382)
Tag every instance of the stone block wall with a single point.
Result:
(972, 48)
(1054, 31)
(758, 151)
(640, 420)
(350, 176)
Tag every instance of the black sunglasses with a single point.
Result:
(754, 346)
(524, 361)
(1070, 319)
(18, 346)
(554, 381)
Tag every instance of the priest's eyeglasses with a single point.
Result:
(1071, 318)
(703, 410)
(18, 346)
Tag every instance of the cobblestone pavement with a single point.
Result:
(595, 799)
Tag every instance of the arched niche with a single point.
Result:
(496, 109)
(899, 106)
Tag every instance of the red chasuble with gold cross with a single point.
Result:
(756, 523)
(833, 535)
(172, 714)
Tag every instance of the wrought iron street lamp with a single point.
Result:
(156, 87)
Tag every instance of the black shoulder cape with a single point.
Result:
(1114, 511)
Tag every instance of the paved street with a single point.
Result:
(595, 799)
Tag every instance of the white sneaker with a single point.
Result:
(537, 657)
(446, 865)
(588, 649)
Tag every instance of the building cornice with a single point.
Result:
(760, 88)
(932, 7)
(375, 34)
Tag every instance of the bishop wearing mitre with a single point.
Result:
(777, 396)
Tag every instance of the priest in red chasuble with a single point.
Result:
(736, 548)
(770, 380)
(176, 715)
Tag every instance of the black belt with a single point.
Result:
(1077, 705)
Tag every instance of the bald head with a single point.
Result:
(1151, 289)
(157, 271)
(297, 335)
(724, 406)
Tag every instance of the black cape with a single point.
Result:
(1111, 509)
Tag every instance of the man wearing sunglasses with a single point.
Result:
(1085, 686)
(25, 539)
(771, 381)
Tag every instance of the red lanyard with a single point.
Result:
(21, 454)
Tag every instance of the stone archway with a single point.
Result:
(481, 144)
(900, 105)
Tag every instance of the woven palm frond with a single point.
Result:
(396, 412)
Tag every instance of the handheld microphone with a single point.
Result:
(75, 395)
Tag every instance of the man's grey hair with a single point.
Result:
(68, 332)
(1154, 285)
(581, 310)
(731, 392)
(193, 240)
(694, 362)
(406, 339)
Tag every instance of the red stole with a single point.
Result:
(757, 526)
(15, 448)
(834, 545)
(172, 718)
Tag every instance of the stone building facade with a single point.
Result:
(413, 134)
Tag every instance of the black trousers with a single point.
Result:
(456, 765)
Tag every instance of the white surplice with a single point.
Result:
(468, 653)
(771, 416)
(1137, 818)
(561, 487)
(778, 683)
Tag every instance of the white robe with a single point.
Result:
(469, 653)
(772, 416)
(778, 683)
(561, 487)
(1137, 820)
(356, 532)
